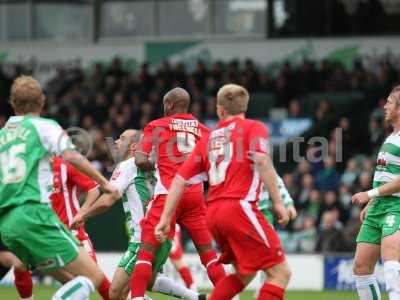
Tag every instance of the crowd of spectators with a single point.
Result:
(105, 101)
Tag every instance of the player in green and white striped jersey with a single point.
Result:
(265, 203)
(29, 227)
(135, 187)
(379, 235)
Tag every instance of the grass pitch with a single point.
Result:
(45, 293)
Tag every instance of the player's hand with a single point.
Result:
(360, 198)
(161, 231)
(78, 221)
(363, 213)
(281, 214)
(292, 212)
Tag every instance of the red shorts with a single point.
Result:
(190, 214)
(85, 242)
(177, 249)
(244, 236)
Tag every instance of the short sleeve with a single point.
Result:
(53, 138)
(193, 171)
(81, 180)
(122, 176)
(146, 143)
(258, 138)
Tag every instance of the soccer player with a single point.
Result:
(265, 203)
(23, 278)
(172, 138)
(176, 258)
(135, 187)
(29, 227)
(68, 183)
(379, 234)
(234, 159)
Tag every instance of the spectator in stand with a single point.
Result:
(307, 184)
(330, 236)
(351, 173)
(328, 178)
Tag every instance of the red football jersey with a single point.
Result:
(172, 139)
(221, 158)
(68, 182)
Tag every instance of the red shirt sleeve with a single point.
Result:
(193, 170)
(258, 138)
(81, 180)
(146, 143)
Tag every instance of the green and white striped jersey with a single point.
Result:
(136, 188)
(27, 145)
(387, 169)
(265, 203)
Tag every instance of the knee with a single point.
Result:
(280, 275)
(362, 268)
(285, 274)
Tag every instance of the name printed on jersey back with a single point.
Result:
(191, 126)
(11, 135)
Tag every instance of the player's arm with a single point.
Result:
(386, 189)
(121, 179)
(57, 142)
(287, 200)
(83, 165)
(142, 154)
(100, 206)
(84, 183)
(259, 155)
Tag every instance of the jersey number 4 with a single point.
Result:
(13, 168)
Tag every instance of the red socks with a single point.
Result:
(227, 288)
(23, 283)
(186, 276)
(103, 289)
(215, 271)
(271, 292)
(142, 274)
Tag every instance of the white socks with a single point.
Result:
(367, 287)
(167, 286)
(392, 278)
(78, 288)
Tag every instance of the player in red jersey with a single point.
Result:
(176, 258)
(234, 159)
(172, 138)
(68, 183)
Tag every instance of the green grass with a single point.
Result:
(45, 293)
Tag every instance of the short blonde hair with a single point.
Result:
(26, 95)
(233, 98)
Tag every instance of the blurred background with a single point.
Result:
(313, 68)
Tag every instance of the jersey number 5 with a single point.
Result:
(12, 166)
(185, 142)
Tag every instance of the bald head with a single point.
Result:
(127, 142)
(176, 100)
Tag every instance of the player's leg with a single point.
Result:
(168, 286)
(87, 244)
(191, 214)
(23, 278)
(278, 278)
(35, 234)
(142, 274)
(176, 258)
(390, 252)
(365, 258)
